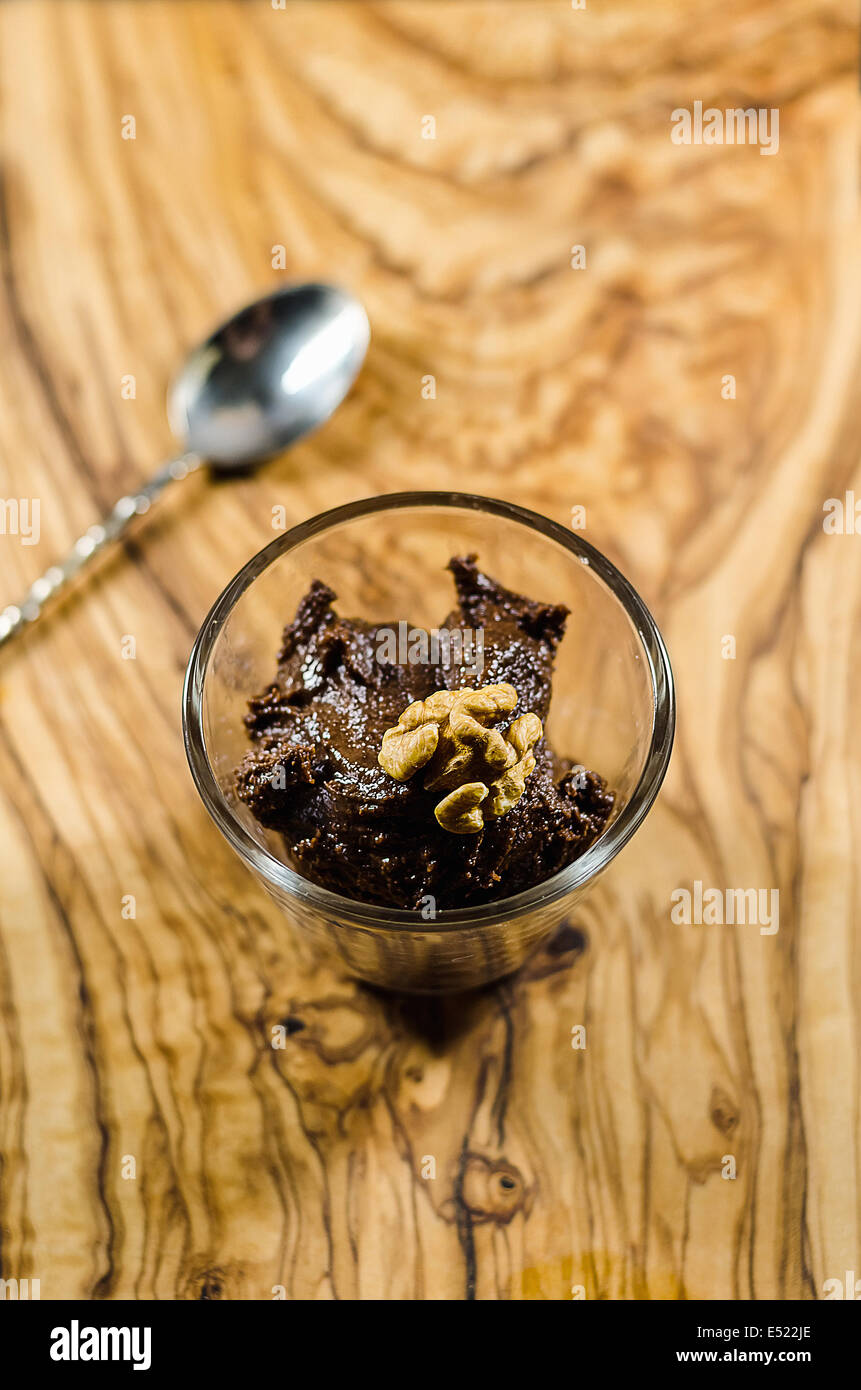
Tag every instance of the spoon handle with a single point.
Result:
(57, 579)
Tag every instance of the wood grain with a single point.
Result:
(148, 1036)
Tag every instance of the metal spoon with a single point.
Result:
(268, 376)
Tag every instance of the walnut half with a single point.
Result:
(482, 771)
(413, 740)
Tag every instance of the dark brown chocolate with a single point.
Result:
(313, 774)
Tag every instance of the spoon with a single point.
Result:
(265, 378)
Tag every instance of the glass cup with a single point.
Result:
(612, 709)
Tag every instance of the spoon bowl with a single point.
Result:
(268, 376)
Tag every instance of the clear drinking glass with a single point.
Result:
(612, 709)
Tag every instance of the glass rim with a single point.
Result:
(576, 874)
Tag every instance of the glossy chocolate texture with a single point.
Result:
(313, 776)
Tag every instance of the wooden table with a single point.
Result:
(152, 1144)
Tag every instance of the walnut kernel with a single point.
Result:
(450, 735)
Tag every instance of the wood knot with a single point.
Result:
(723, 1112)
(213, 1283)
(491, 1191)
(568, 941)
(337, 1028)
(558, 953)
